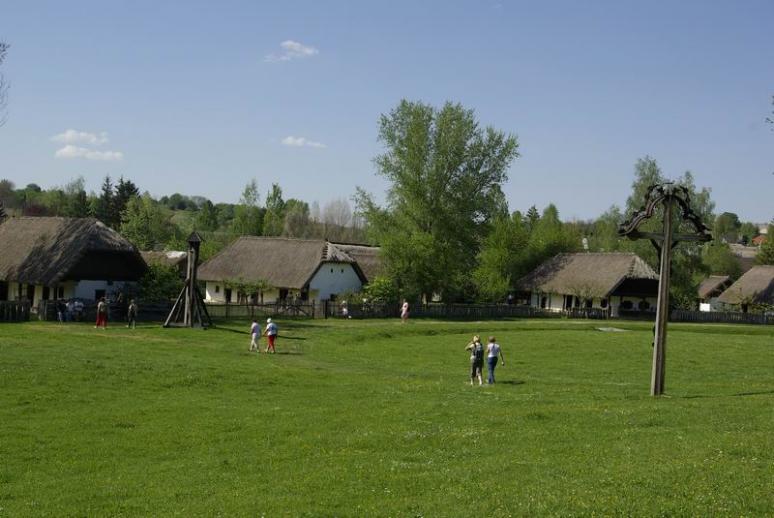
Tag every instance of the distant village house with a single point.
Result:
(48, 258)
(282, 269)
(609, 281)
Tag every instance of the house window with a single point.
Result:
(644, 305)
(589, 303)
(331, 270)
(46, 292)
(342, 270)
(60, 292)
(283, 294)
(543, 301)
(217, 289)
(627, 304)
(603, 303)
(227, 293)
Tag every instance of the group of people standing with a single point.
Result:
(493, 353)
(69, 311)
(270, 333)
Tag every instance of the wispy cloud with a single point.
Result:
(291, 50)
(70, 151)
(72, 136)
(292, 141)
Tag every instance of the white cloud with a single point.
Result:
(302, 142)
(70, 151)
(72, 136)
(291, 50)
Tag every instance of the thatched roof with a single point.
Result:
(592, 274)
(713, 285)
(367, 257)
(282, 262)
(50, 250)
(756, 286)
(169, 258)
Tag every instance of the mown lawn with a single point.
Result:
(375, 418)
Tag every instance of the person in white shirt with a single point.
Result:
(493, 352)
(255, 333)
(404, 311)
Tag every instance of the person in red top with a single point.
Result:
(271, 334)
(101, 313)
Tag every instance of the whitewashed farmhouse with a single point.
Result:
(50, 258)
(273, 269)
(610, 281)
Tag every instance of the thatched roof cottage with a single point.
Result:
(609, 281)
(755, 287)
(48, 258)
(709, 291)
(269, 269)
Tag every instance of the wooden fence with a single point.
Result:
(259, 311)
(681, 315)
(14, 311)
(457, 311)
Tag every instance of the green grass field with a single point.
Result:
(375, 418)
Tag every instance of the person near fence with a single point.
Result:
(255, 333)
(101, 314)
(131, 314)
(476, 349)
(70, 311)
(404, 311)
(271, 334)
(493, 352)
(61, 311)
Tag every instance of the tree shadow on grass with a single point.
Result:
(739, 394)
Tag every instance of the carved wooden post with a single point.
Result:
(667, 195)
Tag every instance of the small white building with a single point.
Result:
(271, 269)
(45, 258)
(609, 281)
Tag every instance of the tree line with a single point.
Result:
(165, 223)
(446, 231)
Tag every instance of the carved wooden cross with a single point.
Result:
(669, 195)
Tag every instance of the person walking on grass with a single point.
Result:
(101, 314)
(404, 312)
(476, 349)
(493, 352)
(255, 333)
(271, 334)
(131, 315)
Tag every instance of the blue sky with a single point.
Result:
(201, 97)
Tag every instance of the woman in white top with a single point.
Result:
(493, 352)
(404, 311)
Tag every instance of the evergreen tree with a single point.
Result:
(104, 207)
(124, 191)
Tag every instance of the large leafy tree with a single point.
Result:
(444, 173)
(687, 266)
(274, 220)
(501, 258)
(145, 223)
(766, 253)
